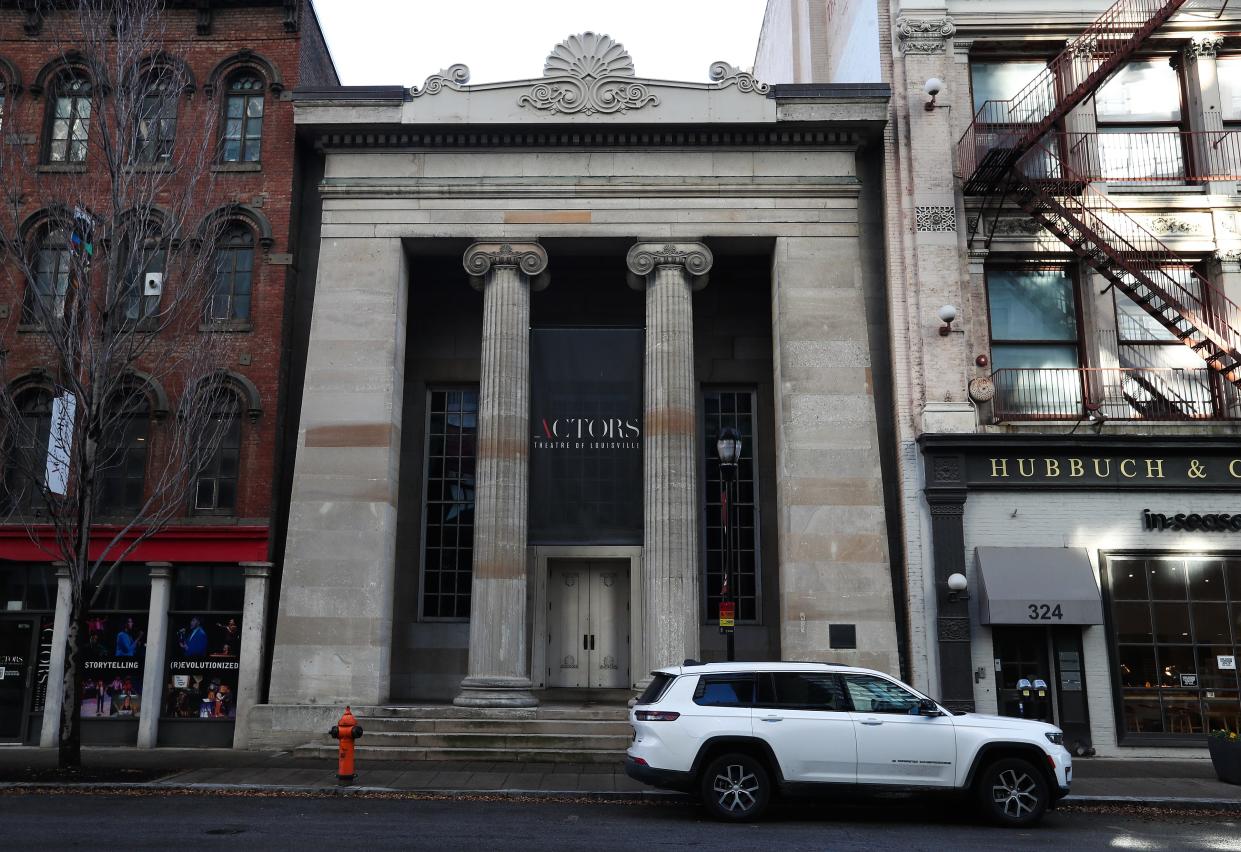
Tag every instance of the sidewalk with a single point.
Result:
(1171, 783)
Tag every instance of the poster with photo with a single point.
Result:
(203, 665)
(112, 666)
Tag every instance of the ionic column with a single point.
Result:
(669, 272)
(156, 653)
(499, 663)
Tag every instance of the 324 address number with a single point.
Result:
(1045, 612)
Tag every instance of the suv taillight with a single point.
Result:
(656, 715)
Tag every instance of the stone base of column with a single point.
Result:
(496, 691)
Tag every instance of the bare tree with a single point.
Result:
(111, 257)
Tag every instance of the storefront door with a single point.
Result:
(588, 623)
(16, 676)
(1021, 660)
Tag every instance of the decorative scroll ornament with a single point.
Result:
(924, 35)
(1172, 225)
(728, 75)
(452, 77)
(1207, 45)
(530, 258)
(569, 662)
(608, 663)
(588, 73)
(644, 257)
(1017, 227)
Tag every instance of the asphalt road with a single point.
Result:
(148, 821)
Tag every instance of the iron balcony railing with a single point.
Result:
(1157, 156)
(1133, 393)
(1003, 130)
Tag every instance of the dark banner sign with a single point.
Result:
(1099, 464)
(586, 441)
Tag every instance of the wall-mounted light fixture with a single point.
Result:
(932, 87)
(947, 313)
(957, 585)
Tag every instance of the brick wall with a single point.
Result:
(269, 189)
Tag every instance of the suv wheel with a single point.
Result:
(1013, 792)
(736, 788)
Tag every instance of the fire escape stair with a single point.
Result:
(1132, 259)
(1001, 150)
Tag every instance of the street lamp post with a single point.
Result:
(728, 447)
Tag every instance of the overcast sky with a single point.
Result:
(405, 41)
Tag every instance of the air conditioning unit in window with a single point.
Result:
(153, 284)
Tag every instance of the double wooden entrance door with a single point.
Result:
(588, 623)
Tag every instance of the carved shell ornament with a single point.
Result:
(588, 73)
(589, 55)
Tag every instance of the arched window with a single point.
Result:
(49, 282)
(215, 486)
(27, 456)
(234, 270)
(243, 118)
(69, 106)
(156, 128)
(142, 278)
(123, 453)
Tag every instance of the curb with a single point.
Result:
(1170, 802)
(353, 790)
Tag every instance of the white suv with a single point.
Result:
(737, 733)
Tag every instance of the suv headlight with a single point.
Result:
(1055, 737)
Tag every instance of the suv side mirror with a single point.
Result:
(927, 707)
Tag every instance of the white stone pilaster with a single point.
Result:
(53, 702)
(156, 654)
(250, 653)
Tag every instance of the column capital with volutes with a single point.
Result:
(644, 258)
(528, 258)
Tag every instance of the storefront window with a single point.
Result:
(112, 664)
(1176, 630)
(204, 630)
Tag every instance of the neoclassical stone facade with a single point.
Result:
(726, 227)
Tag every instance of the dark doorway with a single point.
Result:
(16, 668)
(1039, 674)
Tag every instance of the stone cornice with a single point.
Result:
(539, 187)
(723, 138)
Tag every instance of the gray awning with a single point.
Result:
(1036, 586)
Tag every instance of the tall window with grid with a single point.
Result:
(27, 451)
(243, 119)
(49, 287)
(448, 529)
(234, 271)
(156, 128)
(69, 121)
(735, 408)
(123, 453)
(215, 488)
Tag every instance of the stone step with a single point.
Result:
(565, 742)
(379, 724)
(575, 712)
(417, 753)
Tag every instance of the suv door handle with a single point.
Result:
(772, 719)
(871, 722)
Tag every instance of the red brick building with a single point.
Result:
(177, 637)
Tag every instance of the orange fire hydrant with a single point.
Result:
(346, 731)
